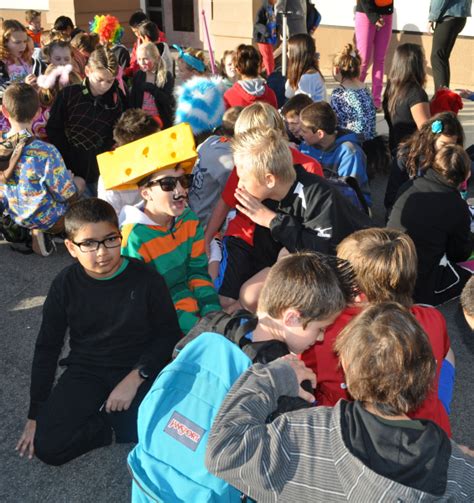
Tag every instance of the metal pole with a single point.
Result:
(284, 50)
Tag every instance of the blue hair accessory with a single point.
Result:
(437, 127)
(190, 60)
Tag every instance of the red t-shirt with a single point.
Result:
(241, 226)
(324, 362)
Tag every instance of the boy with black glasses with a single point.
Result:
(122, 328)
(163, 231)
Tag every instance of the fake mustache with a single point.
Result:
(185, 198)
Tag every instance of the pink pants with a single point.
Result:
(372, 45)
(266, 51)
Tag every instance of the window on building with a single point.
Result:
(183, 15)
(155, 12)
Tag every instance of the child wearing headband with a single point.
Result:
(191, 63)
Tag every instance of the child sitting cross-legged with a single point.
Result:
(164, 232)
(36, 188)
(385, 265)
(122, 327)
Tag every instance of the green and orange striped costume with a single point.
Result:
(179, 255)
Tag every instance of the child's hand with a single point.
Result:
(380, 23)
(25, 444)
(253, 208)
(124, 393)
(31, 80)
(303, 373)
(466, 450)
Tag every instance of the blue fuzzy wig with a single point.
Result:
(200, 102)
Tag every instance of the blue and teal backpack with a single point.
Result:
(174, 421)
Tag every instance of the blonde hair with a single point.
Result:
(103, 59)
(10, 26)
(264, 151)
(160, 67)
(348, 61)
(259, 115)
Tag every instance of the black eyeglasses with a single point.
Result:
(168, 183)
(92, 245)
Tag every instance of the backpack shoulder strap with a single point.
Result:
(12, 153)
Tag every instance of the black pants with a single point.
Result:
(444, 37)
(72, 421)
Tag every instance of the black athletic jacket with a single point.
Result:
(314, 215)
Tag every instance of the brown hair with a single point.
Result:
(387, 359)
(314, 284)
(229, 120)
(47, 96)
(453, 164)
(262, 151)
(407, 71)
(53, 44)
(296, 104)
(85, 42)
(467, 297)
(21, 102)
(31, 14)
(319, 115)
(421, 144)
(88, 211)
(384, 262)
(348, 61)
(302, 58)
(134, 124)
(247, 60)
(103, 59)
(10, 26)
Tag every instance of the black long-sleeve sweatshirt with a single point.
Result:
(128, 322)
(314, 215)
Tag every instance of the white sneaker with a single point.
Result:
(42, 243)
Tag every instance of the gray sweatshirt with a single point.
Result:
(301, 456)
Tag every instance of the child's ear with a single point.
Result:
(71, 247)
(4, 111)
(145, 193)
(270, 180)
(291, 317)
(360, 298)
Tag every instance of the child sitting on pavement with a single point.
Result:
(365, 450)
(122, 327)
(385, 265)
(311, 214)
(339, 151)
(163, 231)
(36, 189)
(247, 247)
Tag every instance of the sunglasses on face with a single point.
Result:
(168, 183)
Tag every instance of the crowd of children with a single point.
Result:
(249, 206)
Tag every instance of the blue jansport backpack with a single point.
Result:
(174, 421)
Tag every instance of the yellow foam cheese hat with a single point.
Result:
(123, 167)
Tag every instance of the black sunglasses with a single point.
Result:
(168, 183)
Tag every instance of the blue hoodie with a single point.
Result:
(344, 158)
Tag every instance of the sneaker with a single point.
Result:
(42, 243)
